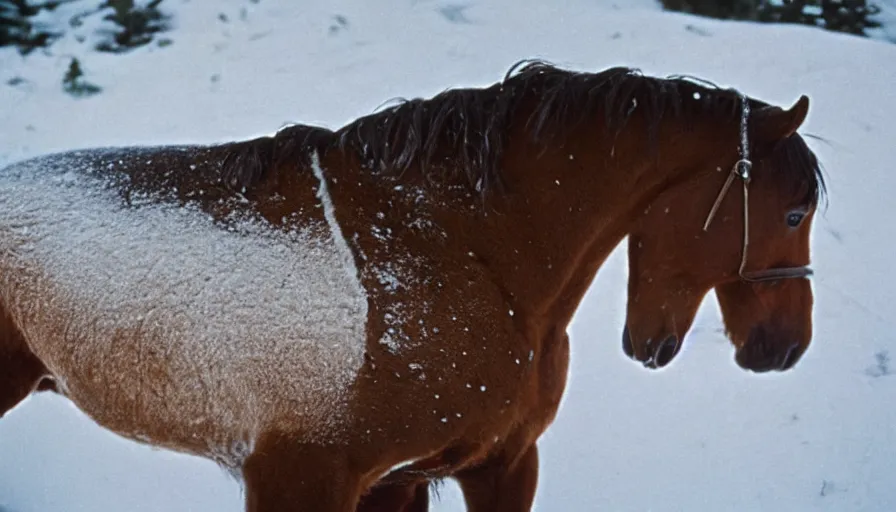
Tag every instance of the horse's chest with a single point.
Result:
(160, 312)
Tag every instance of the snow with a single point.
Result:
(701, 434)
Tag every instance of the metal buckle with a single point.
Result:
(744, 168)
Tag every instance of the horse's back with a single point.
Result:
(165, 304)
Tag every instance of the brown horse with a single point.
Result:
(342, 317)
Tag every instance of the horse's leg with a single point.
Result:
(395, 497)
(21, 372)
(284, 474)
(505, 482)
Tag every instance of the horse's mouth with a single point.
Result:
(768, 348)
(759, 361)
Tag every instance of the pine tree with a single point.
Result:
(724, 9)
(74, 83)
(851, 16)
(16, 28)
(136, 25)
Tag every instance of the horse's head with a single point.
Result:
(739, 227)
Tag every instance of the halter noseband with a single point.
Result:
(742, 169)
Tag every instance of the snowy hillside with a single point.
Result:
(699, 435)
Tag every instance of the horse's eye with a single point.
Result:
(794, 218)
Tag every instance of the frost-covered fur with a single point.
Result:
(156, 298)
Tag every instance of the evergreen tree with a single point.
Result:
(132, 25)
(17, 29)
(74, 83)
(851, 16)
(136, 25)
(724, 9)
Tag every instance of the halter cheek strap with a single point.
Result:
(742, 169)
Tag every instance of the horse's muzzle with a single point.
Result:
(768, 351)
(656, 355)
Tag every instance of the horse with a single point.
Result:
(341, 317)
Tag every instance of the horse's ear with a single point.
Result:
(774, 124)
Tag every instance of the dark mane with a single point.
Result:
(464, 129)
(249, 162)
(462, 132)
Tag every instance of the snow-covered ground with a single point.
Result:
(699, 435)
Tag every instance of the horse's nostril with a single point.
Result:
(666, 351)
(656, 355)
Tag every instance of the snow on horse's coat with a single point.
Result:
(223, 309)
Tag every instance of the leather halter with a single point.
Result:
(742, 169)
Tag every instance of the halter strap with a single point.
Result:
(743, 169)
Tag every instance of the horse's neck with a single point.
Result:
(564, 210)
(568, 208)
